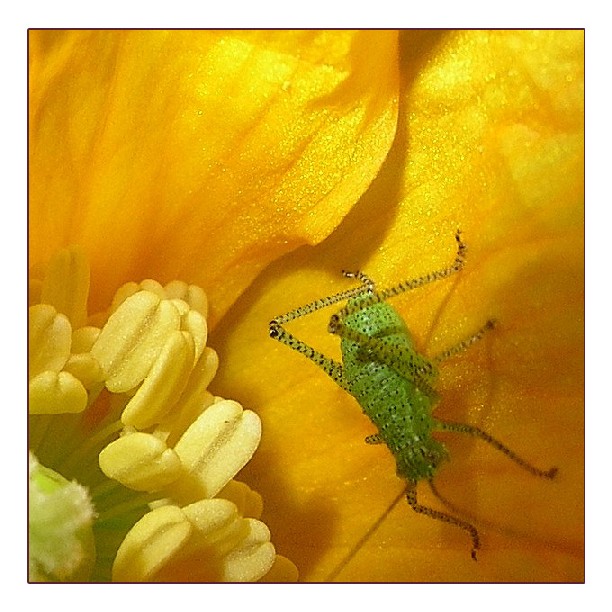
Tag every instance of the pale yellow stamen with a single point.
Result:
(214, 448)
(66, 285)
(163, 384)
(194, 400)
(140, 461)
(192, 294)
(179, 447)
(132, 339)
(61, 369)
(51, 390)
(85, 368)
(56, 393)
(204, 541)
(250, 553)
(207, 456)
(254, 553)
(50, 337)
(248, 502)
(195, 324)
(150, 544)
(84, 338)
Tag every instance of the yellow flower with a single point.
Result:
(490, 140)
(212, 156)
(244, 128)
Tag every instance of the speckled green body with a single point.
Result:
(393, 383)
(389, 388)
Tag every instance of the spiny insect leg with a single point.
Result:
(464, 344)
(278, 332)
(332, 368)
(411, 496)
(307, 309)
(364, 278)
(472, 430)
(454, 509)
(456, 266)
(407, 285)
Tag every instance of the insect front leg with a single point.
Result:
(278, 332)
(368, 283)
(302, 311)
(332, 368)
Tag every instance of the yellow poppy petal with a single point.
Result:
(203, 155)
(66, 285)
(490, 141)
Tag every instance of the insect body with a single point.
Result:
(393, 383)
(394, 392)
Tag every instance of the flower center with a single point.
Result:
(122, 407)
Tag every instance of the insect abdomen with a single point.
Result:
(402, 414)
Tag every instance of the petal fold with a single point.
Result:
(210, 153)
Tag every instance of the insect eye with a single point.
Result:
(334, 324)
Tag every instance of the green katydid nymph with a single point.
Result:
(393, 383)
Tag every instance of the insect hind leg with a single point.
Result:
(472, 430)
(456, 266)
(411, 497)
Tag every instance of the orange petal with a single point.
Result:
(202, 155)
(490, 140)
